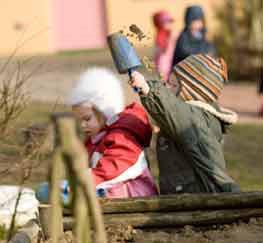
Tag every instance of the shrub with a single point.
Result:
(239, 38)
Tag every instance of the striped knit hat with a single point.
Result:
(201, 77)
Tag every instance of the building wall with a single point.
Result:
(79, 24)
(123, 13)
(25, 23)
(46, 26)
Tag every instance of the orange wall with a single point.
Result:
(34, 23)
(123, 13)
(25, 22)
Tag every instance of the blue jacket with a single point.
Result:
(187, 44)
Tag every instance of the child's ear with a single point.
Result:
(175, 84)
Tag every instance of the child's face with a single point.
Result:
(197, 25)
(91, 121)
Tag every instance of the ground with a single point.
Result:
(51, 83)
(238, 233)
(250, 232)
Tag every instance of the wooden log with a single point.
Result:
(82, 227)
(176, 219)
(44, 219)
(76, 159)
(55, 220)
(183, 202)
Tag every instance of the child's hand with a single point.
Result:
(138, 81)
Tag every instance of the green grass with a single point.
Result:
(243, 147)
(12, 145)
(2, 232)
(243, 151)
(34, 114)
(39, 113)
(244, 155)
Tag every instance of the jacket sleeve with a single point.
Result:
(172, 114)
(121, 151)
(192, 127)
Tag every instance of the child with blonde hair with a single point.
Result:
(115, 135)
(115, 138)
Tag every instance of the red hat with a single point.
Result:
(161, 18)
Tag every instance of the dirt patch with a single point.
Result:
(236, 233)
(251, 232)
(241, 232)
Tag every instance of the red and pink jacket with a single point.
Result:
(117, 158)
(164, 48)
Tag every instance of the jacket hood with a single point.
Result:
(135, 120)
(224, 115)
(160, 18)
(193, 13)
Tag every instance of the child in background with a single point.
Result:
(192, 124)
(165, 43)
(192, 40)
(115, 136)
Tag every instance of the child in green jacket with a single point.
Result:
(189, 147)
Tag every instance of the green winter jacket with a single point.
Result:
(189, 147)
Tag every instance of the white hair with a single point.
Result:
(101, 88)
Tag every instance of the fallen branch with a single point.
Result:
(184, 202)
(175, 219)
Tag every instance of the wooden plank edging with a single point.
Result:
(182, 202)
